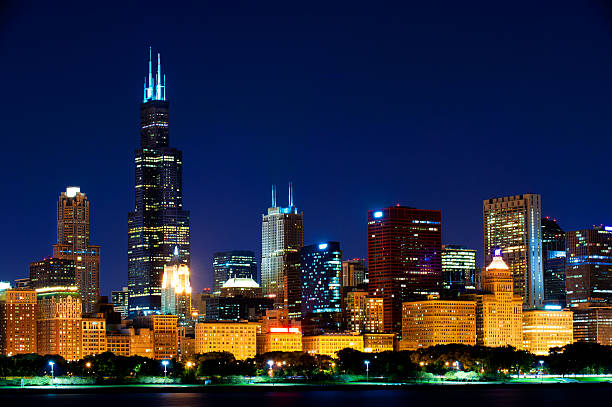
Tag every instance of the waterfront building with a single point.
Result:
(165, 336)
(499, 311)
(118, 344)
(93, 335)
(589, 267)
(553, 254)
(376, 343)
(233, 264)
(282, 236)
(176, 289)
(58, 322)
(279, 333)
(120, 301)
(141, 342)
(438, 322)
(593, 324)
(404, 258)
(158, 223)
(237, 338)
(52, 272)
(362, 313)
(17, 321)
(513, 225)
(546, 328)
(73, 244)
(240, 287)
(330, 343)
(458, 267)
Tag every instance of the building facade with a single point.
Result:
(593, 324)
(553, 254)
(546, 328)
(329, 344)
(237, 338)
(73, 244)
(158, 223)
(93, 335)
(52, 272)
(233, 264)
(120, 301)
(282, 237)
(404, 258)
(353, 273)
(513, 224)
(17, 321)
(176, 290)
(458, 267)
(589, 267)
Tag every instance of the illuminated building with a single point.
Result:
(553, 254)
(363, 313)
(236, 308)
(330, 343)
(546, 328)
(404, 258)
(376, 343)
(120, 301)
(233, 264)
(321, 269)
(240, 287)
(73, 244)
(458, 267)
(589, 267)
(52, 272)
(17, 321)
(593, 324)
(279, 333)
(513, 224)
(176, 289)
(93, 335)
(118, 344)
(237, 338)
(165, 336)
(141, 342)
(158, 223)
(499, 312)
(353, 273)
(438, 322)
(282, 236)
(58, 322)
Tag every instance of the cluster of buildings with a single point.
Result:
(542, 287)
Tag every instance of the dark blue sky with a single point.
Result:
(437, 105)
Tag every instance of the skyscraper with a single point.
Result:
(176, 289)
(158, 222)
(513, 224)
(353, 273)
(233, 264)
(73, 244)
(458, 267)
(589, 267)
(404, 258)
(52, 272)
(282, 236)
(553, 255)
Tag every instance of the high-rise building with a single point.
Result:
(165, 332)
(589, 267)
(17, 321)
(282, 236)
(458, 267)
(404, 258)
(176, 289)
(233, 264)
(73, 244)
(120, 301)
(546, 328)
(593, 324)
(353, 273)
(513, 224)
(58, 322)
(553, 255)
(363, 313)
(321, 271)
(158, 223)
(52, 272)
(499, 311)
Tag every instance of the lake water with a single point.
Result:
(421, 396)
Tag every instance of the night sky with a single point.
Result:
(435, 106)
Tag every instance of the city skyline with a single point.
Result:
(225, 194)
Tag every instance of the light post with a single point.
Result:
(51, 363)
(270, 364)
(367, 363)
(542, 371)
(165, 363)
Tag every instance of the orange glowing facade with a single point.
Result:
(330, 343)
(176, 291)
(279, 333)
(17, 321)
(544, 329)
(237, 338)
(363, 313)
(58, 322)
(93, 335)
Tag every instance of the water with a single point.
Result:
(421, 396)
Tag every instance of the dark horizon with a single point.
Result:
(360, 107)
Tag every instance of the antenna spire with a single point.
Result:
(290, 194)
(158, 79)
(274, 196)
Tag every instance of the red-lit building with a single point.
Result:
(404, 258)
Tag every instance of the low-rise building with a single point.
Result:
(330, 343)
(546, 328)
(375, 343)
(237, 338)
(93, 335)
(118, 344)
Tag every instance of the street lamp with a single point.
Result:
(367, 363)
(51, 363)
(542, 370)
(165, 363)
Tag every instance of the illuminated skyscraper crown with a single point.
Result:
(498, 263)
(155, 88)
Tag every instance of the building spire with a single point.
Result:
(290, 194)
(155, 86)
(158, 84)
(274, 196)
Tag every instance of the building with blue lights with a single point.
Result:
(458, 267)
(320, 276)
(588, 267)
(282, 237)
(233, 264)
(158, 223)
(553, 253)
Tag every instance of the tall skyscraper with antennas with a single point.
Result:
(282, 237)
(158, 223)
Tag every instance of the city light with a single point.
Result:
(378, 214)
(323, 246)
